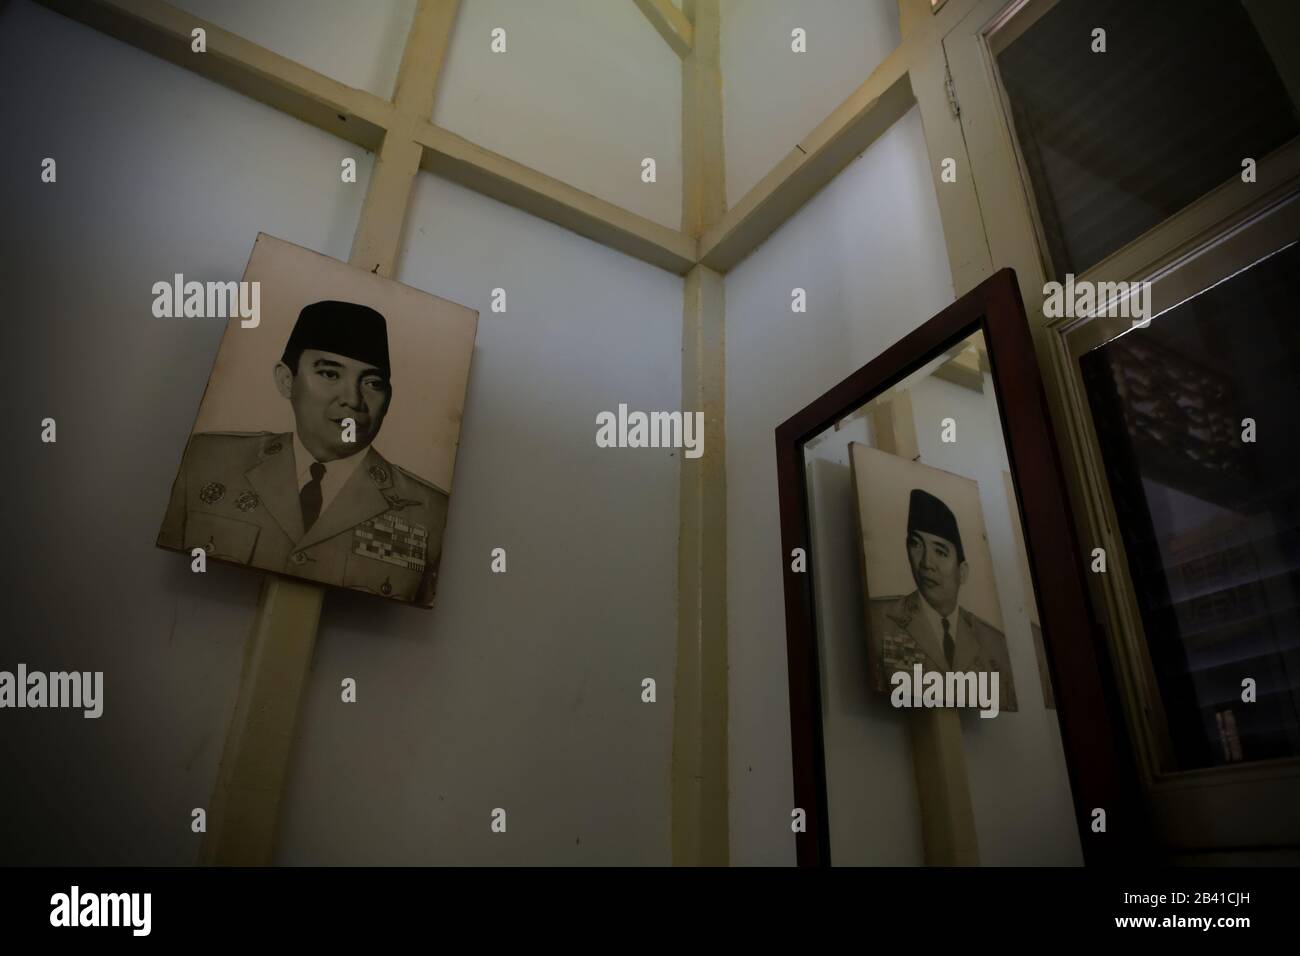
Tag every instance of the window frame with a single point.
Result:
(1192, 810)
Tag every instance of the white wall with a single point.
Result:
(158, 172)
(584, 92)
(869, 251)
(519, 691)
(773, 97)
(359, 44)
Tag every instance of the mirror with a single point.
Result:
(940, 590)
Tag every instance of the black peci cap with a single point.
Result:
(927, 513)
(345, 328)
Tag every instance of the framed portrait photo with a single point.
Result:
(325, 442)
(931, 594)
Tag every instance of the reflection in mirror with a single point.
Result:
(1196, 420)
(919, 559)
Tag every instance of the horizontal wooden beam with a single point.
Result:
(671, 23)
(515, 184)
(163, 30)
(363, 118)
(964, 369)
(853, 126)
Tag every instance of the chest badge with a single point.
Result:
(389, 539)
(900, 652)
(212, 492)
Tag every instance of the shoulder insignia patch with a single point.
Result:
(412, 476)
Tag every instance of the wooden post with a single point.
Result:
(244, 810)
(700, 829)
(938, 757)
(245, 803)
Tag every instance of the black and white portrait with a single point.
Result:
(931, 597)
(283, 470)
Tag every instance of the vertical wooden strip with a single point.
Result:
(422, 58)
(704, 187)
(893, 426)
(699, 812)
(250, 779)
(700, 824)
(374, 247)
(379, 231)
(943, 788)
(244, 811)
(969, 258)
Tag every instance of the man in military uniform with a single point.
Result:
(929, 626)
(312, 503)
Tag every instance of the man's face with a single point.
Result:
(936, 569)
(327, 389)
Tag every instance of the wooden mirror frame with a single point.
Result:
(1097, 752)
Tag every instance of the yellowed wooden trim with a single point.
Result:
(1013, 21)
(893, 427)
(853, 126)
(379, 228)
(422, 58)
(704, 188)
(963, 369)
(700, 811)
(490, 174)
(969, 259)
(245, 803)
(943, 788)
(379, 231)
(671, 23)
(913, 16)
(159, 28)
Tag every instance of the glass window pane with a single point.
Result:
(1208, 505)
(1116, 142)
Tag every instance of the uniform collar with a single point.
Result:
(339, 470)
(935, 619)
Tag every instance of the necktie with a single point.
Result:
(949, 645)
(310, 496)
